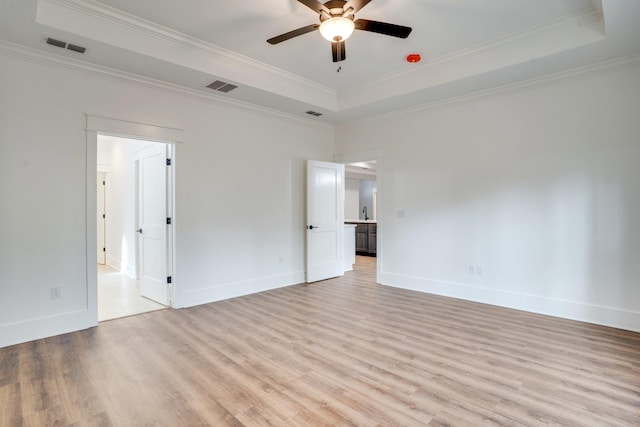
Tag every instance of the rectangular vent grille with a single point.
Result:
(76, 48)
(221, 86)
(57, 43)
(64, 45)
(314, 113)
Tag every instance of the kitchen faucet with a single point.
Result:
(364, 211)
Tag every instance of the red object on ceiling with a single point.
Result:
(413, 58)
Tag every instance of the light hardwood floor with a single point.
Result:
(340, 352)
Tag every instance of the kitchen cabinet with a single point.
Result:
(373, 238)
(366, 235)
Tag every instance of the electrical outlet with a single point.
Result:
(472, 269)
(56, 292)
(479, 270)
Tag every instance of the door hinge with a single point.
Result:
(168, 279)
(103, 216)
(168, 162)
(104, 249)
(168, 220)
(104, 182)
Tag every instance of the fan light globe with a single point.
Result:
(337, 29)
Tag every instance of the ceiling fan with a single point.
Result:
(337, 23)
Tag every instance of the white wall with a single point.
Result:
(351, 198)
(118, 156)
(239, 183)
(367, 188)
(540, 186)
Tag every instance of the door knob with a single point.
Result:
(311, 227)
(139, 230)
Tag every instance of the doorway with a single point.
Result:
(99, 125)
(361, 206)
(132, 168)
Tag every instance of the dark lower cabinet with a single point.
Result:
(373, 239)
(366, 238)
(362, 238)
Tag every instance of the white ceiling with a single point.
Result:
(466, 45)
(440, 28)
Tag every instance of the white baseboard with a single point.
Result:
(44, 327)
(236, 289)
(590, 313)
(113, 262)
(129, 270)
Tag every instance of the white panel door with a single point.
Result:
(152, 211)
(325, 220)
(100, 219)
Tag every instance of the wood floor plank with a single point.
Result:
(340, 352)
(10, 400)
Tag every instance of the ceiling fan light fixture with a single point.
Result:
(337, 29)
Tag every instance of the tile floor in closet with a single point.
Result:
(119, 295)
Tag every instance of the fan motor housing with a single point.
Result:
(336, 8)
(335, 4)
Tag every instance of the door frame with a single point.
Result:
(126, 129)
(102, 175)
(363, 156)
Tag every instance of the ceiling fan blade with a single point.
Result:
(383, 28)
(356, 5)
(338, 51)
(291, 34)
(315, 5)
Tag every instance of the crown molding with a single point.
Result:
(534, 42)
(142, 26)
(248, 71)
(28, 54)
(546, 29)
(94, 20)
(575, 73)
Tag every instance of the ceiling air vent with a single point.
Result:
(221, 86)
(57, 43)
(314, 113)
(64, 45)
(76, 48)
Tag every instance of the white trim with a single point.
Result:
(43, 327)
(574, 310)
(25, 53)
(229, 290)
(106, 24)
(113, 262)
(545, 30)
(142, 26)
(97, 21)
(134, 130)
(44, 58)
(358, 156)
(124, 128)
(575, 73)
(91, 165)
(554, 36)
